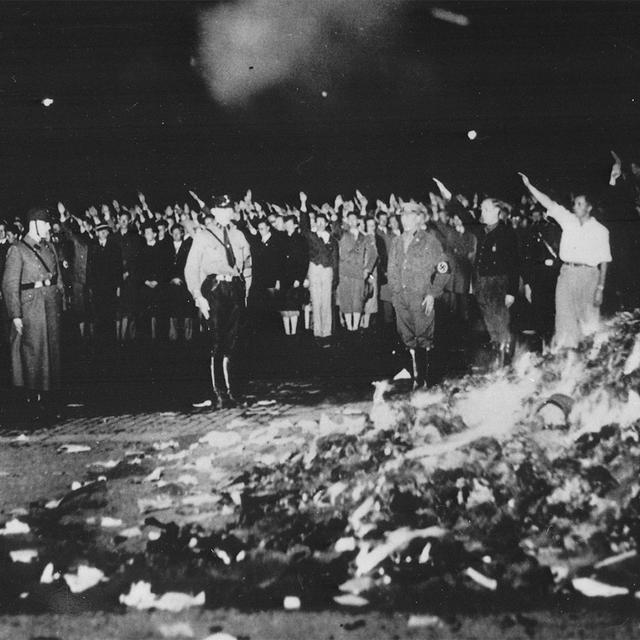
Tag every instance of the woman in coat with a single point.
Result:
(295, 264)
(357, 256)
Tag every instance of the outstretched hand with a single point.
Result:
(444, 192)
(525, 179)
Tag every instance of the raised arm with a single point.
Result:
(542, 198)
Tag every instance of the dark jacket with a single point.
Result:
(498, 256)
(178, 261)
(320, 252)
(295, 259)
(104, 270)
(153, 264)
(268, 259)
(541, 250)
(130, 245)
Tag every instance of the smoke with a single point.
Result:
(249, 46)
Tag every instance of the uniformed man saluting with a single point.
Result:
(417, 272)
(32, 288)
(218, 275)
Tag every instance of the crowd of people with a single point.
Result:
(122, 272)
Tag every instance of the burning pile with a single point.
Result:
(471, 487)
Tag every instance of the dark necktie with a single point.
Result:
(231, 259)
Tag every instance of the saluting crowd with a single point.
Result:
(127, 272)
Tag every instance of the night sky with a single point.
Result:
(550, 87)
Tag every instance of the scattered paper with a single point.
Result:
(220, 636)
(85, 578)
(109, 523)
(140, 597)
(621, 557)
(596, 589)
(154, 504)
(105, 464)
(345, 544)
(14, 527)
(49, 575)
(351, 600)
(357, 585)
(397, 540)
(483, 581)
(23, 555)
(155, 475)
(73, 448)
(161, 446)
(23, 437)
(291, 603)
(421, 622)
(131, 532)
(53, 504)
(402, 375)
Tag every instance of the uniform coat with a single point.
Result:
(208, 259)
(35, 355)
(413, 274)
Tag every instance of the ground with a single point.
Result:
(141, 441)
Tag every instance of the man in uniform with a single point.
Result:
(32, 288)
(586, 254)
(417, 271)
(218, 275)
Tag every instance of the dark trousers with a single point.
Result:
(226, 314)
(490, 292)
(543, 301)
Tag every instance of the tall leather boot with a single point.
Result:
(505, 354)
(229, 399)
(426, 362)
(217, 386)
(414, 366)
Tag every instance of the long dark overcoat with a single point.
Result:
(35, 355)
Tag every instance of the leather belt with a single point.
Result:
(580, 264)
(224, 278)
(38, 284)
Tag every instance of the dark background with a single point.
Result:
(549, 86)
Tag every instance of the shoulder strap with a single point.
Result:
(373, 267)
(37, 255)
(224, 247)
(548, 246)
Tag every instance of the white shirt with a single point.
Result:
(583, 243)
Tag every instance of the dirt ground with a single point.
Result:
(145, 423)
